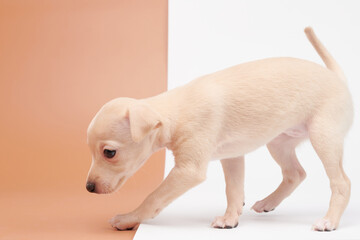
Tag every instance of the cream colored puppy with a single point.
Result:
(278, 102)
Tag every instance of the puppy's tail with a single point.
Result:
(324, 54)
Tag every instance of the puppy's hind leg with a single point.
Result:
(234, 178)
(327, 138)
(282, 149)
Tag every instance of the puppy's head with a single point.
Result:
(121, 138)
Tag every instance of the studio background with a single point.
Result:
(207, 36)
(60, 61)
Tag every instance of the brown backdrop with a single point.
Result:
(60, 61)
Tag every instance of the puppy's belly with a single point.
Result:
(231, 148)
(299, 131)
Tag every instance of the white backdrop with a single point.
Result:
(206, 36)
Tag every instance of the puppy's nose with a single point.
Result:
(90, 186)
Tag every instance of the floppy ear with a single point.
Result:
(142, 121)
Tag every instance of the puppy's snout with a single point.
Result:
(90, 187)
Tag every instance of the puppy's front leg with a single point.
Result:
(180, 179)
(234, 178)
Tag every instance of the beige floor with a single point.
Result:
(73, 213)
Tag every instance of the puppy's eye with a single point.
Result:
(109, 153)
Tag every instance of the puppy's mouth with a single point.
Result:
(119, 184)
(106, 189)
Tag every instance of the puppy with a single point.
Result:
(279, 102)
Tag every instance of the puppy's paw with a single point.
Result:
(124, 222)
(324, 225)
(227, 221)
(265, 205)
